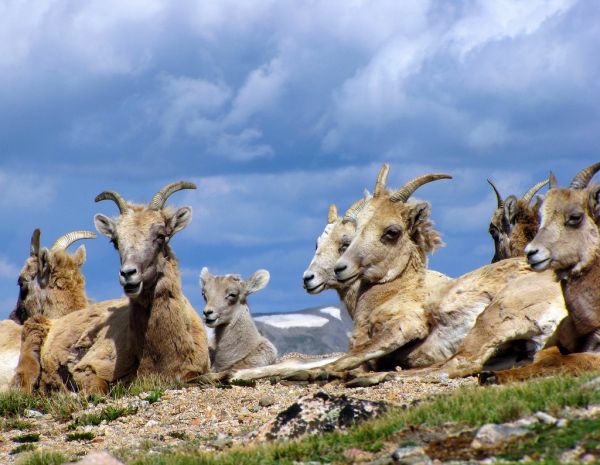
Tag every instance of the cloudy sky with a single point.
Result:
(278, 108)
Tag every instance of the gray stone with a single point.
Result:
(411, 455)
(266, 401)
(491, 436)
(32, 413)
(545, 418)
(98, 458)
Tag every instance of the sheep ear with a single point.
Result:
(257, 281)
(332, 214)
(594, 202)
(418, 214)
(180, 219)
(204, 276)
(45, 268)
(79, 256)
(104, 225)
(510, 208)
(537, 203)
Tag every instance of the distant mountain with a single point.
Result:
(316, 330)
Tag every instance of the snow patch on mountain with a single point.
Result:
(333, 311)
(293, 320)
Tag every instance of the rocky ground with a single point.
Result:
(208, 417)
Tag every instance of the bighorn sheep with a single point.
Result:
(238, 342)
(155, 330)
(514, 222)
(336, 238)
(50, 285)
(568, 242)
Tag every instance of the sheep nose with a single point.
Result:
(208, 311)
(308, 277)
(128, 272)
(340, 267)
(531, 253)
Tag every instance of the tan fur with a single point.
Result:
(155, 330)
(568, 242)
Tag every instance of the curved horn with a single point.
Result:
(159, 199)
(498, 196)
(65, 241)
(583, 178)
(34, 249)
(332, 214)
(115, 197)
(531, 192)
(552, 180)
(352, 213)
(381, 182)
(404, 193)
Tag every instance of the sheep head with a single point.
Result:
(51, 283)
(568, 240)
(514, 222)
(391, 233)
(226, 296)
(141, 235)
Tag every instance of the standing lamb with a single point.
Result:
(238, 342)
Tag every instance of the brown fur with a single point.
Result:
(569, 243)
(155, 331)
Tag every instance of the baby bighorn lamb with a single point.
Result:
(238, 342)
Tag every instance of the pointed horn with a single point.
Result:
(498, 196)
(552, 180)
(404, 193)
(381, 182)
(159, 199)
(65, 241)
(115, 197)
(34, 249)
(583, 178)
(531, 192)
(332, 214)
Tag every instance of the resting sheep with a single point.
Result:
(238, 342)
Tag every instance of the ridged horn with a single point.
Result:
(115, 197)
(498, 196)
(352, 213)
(531, 192)
(159, 199)
(404, 193)
(552, 180)
(65, 241)
(34, 249)
(583, 178)
(381, 182)
(332, 214)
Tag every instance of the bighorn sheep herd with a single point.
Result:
(538, 299)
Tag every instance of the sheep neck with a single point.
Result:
(235, 339)
(158, 323)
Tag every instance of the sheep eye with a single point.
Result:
(232, 296)
(343, 246)
(204, 296)
(115, 243)
(391, 234)
(575, 219)
(494, 232)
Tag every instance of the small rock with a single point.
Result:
(561, 423)
(526, 422)
(32, 413)
(571, 456)
(152, 423)
(411, 455)
(266, 401)
(588, 458)
(490, 436)
(545, 418)
(356, 455)
(98, 458)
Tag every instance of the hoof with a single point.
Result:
(487, 378)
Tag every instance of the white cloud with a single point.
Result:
(25, 190)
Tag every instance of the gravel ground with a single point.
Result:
(210, 417)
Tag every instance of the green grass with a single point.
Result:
(146, 383)
(22, 448)
(107, 414)
(14, 403)
(80, 436)
(44, 458)
(469, 406)
(28, 437)
(17, 423)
